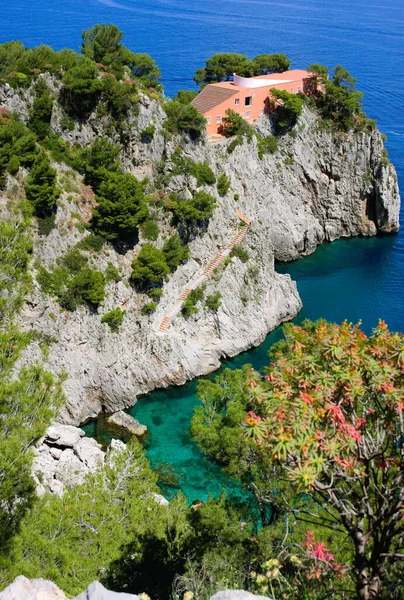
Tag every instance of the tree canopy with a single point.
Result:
(326, 421)
(150, 266)
(221, 67)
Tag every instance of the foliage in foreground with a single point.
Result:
(320, 438)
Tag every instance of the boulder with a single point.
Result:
(32, 589)
(96, 591)
(70, 470)
(123, 425)
(160, 499)
(237, 595)
(64, 435)
(89, 452)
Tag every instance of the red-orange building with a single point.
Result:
(248, 96)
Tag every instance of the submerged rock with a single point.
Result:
(122, 425)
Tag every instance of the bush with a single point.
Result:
(92, 242)
(46, 224)
(175, 252)
(238, 140)
(204, 174)
(112, 273)
(240, 253)
(199, 207)
(74, 261)
(88, 286)
(234, 124)
(40, 186)
(98, 160)
(121, 207)
(113, 319)
(150, 230)
(213, 301)
(291, 108)
(189, 307)
(13, 165)
(41, 112)
(149, 267)
(52, 282)
(184, 118)
(185, 96)
(267, 145)
(223, 185)
(155, 293)
(149, 308)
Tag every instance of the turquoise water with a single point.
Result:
(349, 279)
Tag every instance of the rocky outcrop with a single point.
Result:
(123, 426)
(63, 458)
(319, 186)
(40, 589)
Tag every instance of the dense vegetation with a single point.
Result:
(318, 439)
(221, 67)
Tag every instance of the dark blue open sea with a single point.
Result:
(351, 279)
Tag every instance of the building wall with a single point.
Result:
(259, 101)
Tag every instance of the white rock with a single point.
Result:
(89, 452)
(160, 499)
(56, 452)
(64, 435)
(57, 487)
(96, 591)
(70, 470)
(32, 589)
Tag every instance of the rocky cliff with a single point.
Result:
(318, 186)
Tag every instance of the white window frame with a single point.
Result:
(207, 120)
(237, 101)
(248, 114)
(250, 101)
(218, 119)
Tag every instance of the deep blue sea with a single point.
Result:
(350, 279)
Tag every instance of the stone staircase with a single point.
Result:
(208, 271)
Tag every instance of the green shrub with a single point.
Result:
(112, 273)
(267, 145)
(92, 242)
(175, 252)
(13, 165)
(204, 174)
(184, 118)
(41, 112)
(149, 267)
(240, 253)
(149, 308)
(223, 185)
(185, 96)
(149, 229)
(213, 301)
(40, 186)
(199, 207)
(121, 206)
(234, 124)
(291, 108)
(113, 319)
(189, 307)
(237, 141)
(52, 282)
(74, 261)
(46, 224)
(155, 293)
(89, 286)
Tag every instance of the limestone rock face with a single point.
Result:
(319, 186)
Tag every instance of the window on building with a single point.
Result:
(218, 119)
(237, 101)
(248, 101)
(207, 120)
(298, 90)
(248, 114)
(292, 90)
